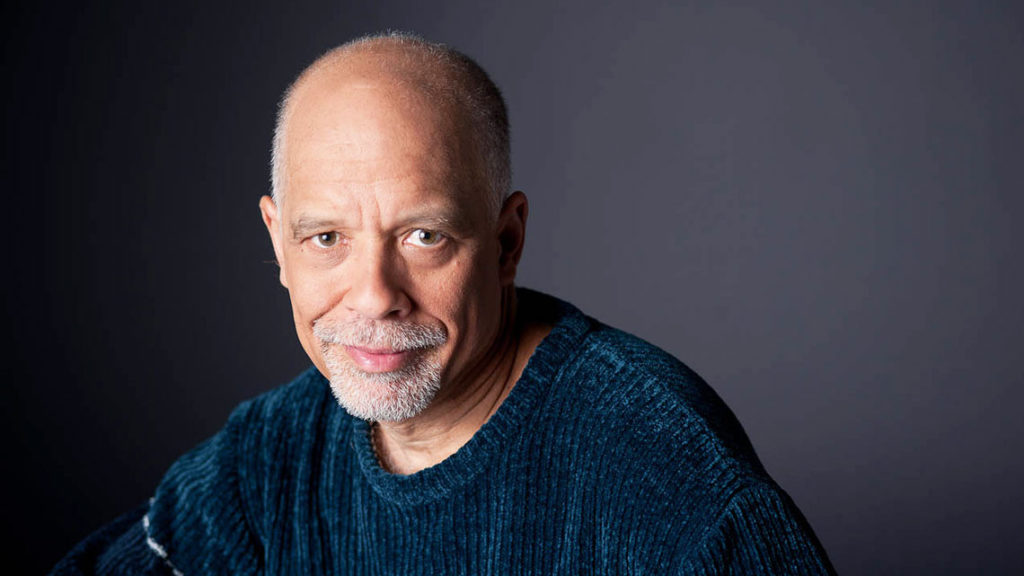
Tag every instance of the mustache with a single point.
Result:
(381, 335)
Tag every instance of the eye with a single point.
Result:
(326, 239)
(426, 238)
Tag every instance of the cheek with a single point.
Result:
(312, 291)
(467, 298)
(309, 302)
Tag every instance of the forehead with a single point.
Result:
(354, 134)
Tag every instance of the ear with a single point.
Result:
(511, 235)
(272, 220)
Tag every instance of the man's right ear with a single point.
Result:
(272, 220)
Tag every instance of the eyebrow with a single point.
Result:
(305, 226)
(432, 221)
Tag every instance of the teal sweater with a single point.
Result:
(608, 457)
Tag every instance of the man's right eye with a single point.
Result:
(325, 239)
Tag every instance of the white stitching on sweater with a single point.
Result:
(157, 548)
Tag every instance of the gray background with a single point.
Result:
(813, 204)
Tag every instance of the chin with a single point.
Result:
(384, 396)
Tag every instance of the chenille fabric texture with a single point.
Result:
(609, 456)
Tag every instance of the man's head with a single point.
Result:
(447, 76)
(391, 222)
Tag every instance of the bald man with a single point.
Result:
(451, 423)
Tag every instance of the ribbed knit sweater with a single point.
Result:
(609, 456)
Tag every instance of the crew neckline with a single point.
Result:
(436, 482)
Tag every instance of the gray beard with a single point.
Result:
(382, 396)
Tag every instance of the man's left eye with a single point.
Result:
(421, 237)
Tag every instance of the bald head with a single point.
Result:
(455, 87)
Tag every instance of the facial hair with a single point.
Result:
(382, 396)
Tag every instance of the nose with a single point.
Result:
(374, 285)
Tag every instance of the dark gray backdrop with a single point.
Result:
(813, 204)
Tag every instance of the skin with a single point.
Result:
(383, 218)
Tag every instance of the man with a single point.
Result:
(481, 429)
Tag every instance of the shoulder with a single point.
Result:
(285, 425)
(613, 387)
(666, 452)
(300, 405)
(649, 418)
(656, 390)
(259, 436)
(210, 507)
(278, 411)
(309, 390)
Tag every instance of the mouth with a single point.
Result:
(372, 360)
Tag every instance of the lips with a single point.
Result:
(370, 360)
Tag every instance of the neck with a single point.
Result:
(449, 422)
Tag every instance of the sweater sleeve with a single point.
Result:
(760, 532)
(117, 548)
(196, 523)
